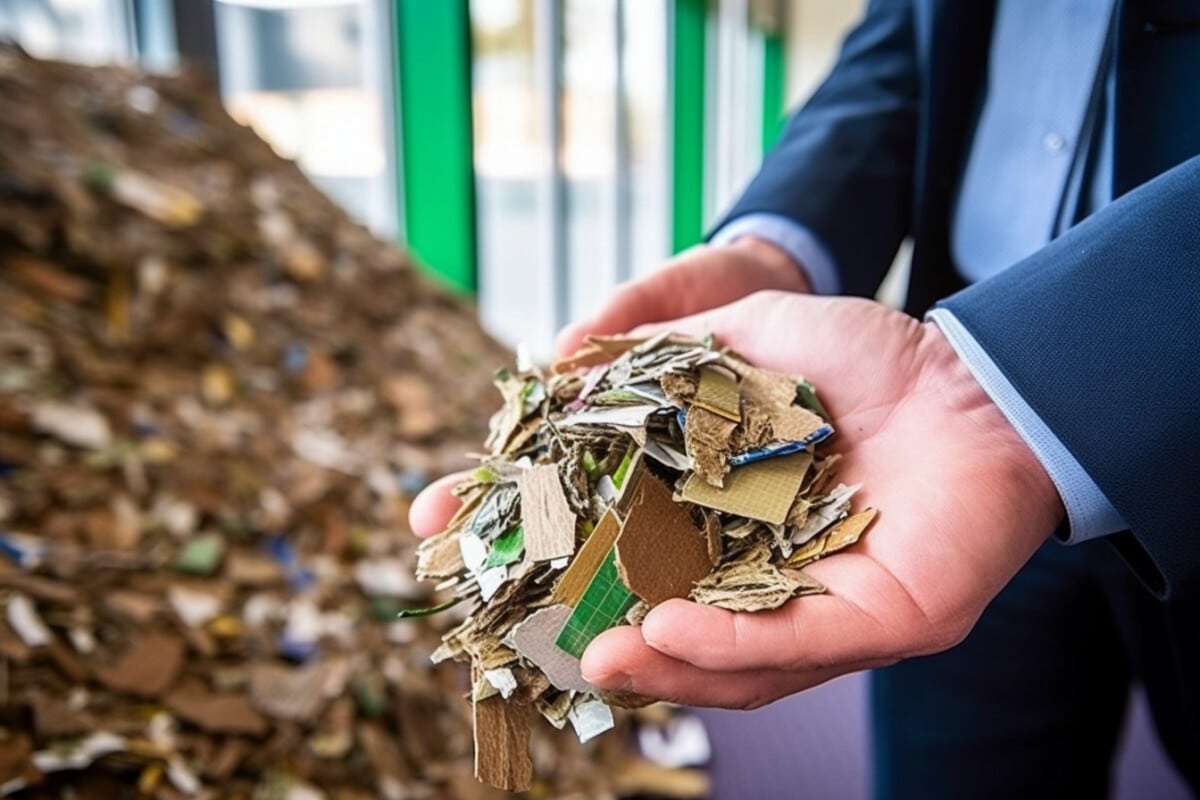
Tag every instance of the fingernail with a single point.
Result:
(615, 682)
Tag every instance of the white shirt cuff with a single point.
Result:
(1089, 512)
(791, 237)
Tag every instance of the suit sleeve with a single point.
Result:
(1100, 333)
(844, 166)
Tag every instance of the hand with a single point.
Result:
(963, 504)
(698, 279)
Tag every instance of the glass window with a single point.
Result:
(90, 31)
(312, 78)
(647, 53)
(614, 179)
(589, 151)
(512, 158)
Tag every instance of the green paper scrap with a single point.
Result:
(507, 548)
(618, 477)
(589, 464)
(412, 613)
(100, 175)
(200, 556)
(617, 397)
(603, 605)
(484, 474)
(806, 393)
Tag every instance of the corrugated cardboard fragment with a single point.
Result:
(582, 569)
(718, 392)
(762, 490)
(548, 521)
(148, 667)
(707, 437)
(844, 534)
(660, 552)
(502, 744)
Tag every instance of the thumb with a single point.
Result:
(634, 304)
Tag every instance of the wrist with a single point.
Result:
(785, 272)
(1019, 470)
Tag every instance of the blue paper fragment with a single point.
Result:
(24, 551)
(282, 551)
(14, 553)
(781, 449)
(295, 357)
(411, 481)
(296, 649)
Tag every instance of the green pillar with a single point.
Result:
(433, 80)
(773, 111)
(687, 122)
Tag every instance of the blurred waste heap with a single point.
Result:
(217, 397)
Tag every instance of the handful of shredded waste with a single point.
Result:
(636, 471)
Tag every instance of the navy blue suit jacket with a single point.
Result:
(1100, 330)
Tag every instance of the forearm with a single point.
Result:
(1099, 332)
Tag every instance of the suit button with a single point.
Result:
(1054, 142)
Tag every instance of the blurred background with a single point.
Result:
(533, 154)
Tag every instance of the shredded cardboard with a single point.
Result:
(218, 396)
(502, 744)
(660, 552)
(148, 667)
(708, 439)
(763, 490)
(750, 582)
(717, 392)
(582, 569)
(644, 470)
(534, 639)
(548, 522)
(226, 713)
(838, 538)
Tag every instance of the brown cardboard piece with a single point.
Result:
(660, 552)
(841, 536)
(582, 569)
(147, 668)
(707, 439)
(548, 520)
(712, 534)
(763, 387)
(502, 744)
(750, 582)
(55, 718)
(794, 424)
(718, 392)
(439, 557)
(775, 394)
(215, 712)
(761, 490)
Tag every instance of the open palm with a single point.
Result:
(963, 504)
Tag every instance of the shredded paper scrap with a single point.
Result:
(634, 472)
